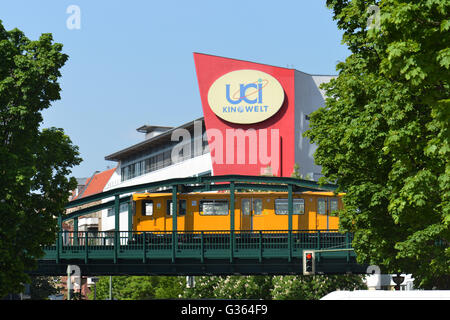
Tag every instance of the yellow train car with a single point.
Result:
(210, 211)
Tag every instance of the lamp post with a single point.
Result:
(110, 287)
(95, 280)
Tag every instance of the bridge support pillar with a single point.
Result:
(174, 221)
(59, 239)
(232, 199)
(75, 231)
(130, 218)
(116, 227)
(290, 211)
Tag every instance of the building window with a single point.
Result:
(159, 161)
(213, 207)
(281, 206)
(138, 169)
(132, 171)
(167, 158)
(110, 212)
(152, 163)
(123, 208)
(158, 158)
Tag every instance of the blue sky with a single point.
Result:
(131, 62)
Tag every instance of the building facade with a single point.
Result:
(254, 116)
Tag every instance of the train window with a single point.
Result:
(257, 206)
(169, 209)
(246, 207)
(321, 206)
(281, 206)
(213, 207)
(299, 206)
(181, 207)
(333, 205)
(147, 208)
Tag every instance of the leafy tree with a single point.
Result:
(42, 287)
(246, 287)
(296, 173)
(203, 289)
(125, 288)
(139, 287)
(271, 288)
(170, 287)
(34, 163)
(230, 287)
(313, 287)
(384, 136)
(225, 287)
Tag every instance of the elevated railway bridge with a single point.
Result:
(196, 252)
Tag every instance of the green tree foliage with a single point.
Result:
(42, 287)
(34, 163)
(296, 174)
(139, 288)
(231, 287)
(203, 289)
(313, 287)
(226, 287)
(383, 135)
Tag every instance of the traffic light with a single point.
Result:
(309, 267)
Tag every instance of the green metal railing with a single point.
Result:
(231, 241)
(150, 245)
(180, 252)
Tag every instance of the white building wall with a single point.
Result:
(187, 168)
(308, 98)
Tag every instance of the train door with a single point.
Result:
(250, 207)
(326, 208)
(246, 214)
(147, 213)
(333, 219)
(181, 214)
(322, 214)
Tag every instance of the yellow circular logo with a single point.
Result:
(245, 96)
